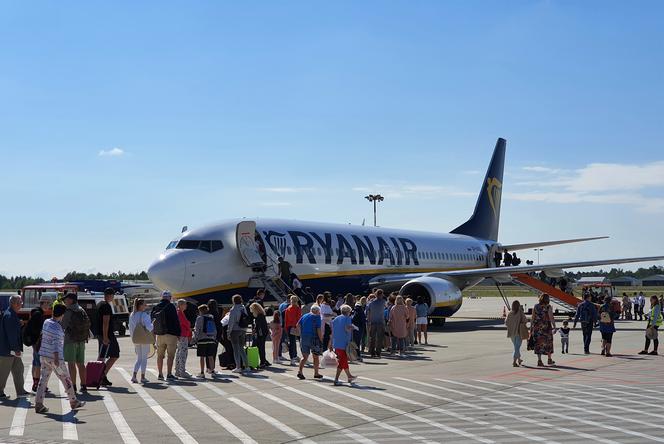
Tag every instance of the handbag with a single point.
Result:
(651, 333)
(531, 343)
(316, 346)
(141, 335)
(523, 331)
(351, 351)
(295, 331)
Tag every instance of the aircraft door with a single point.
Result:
(246, 244)
(491, 253)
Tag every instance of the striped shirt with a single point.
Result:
(53, 339)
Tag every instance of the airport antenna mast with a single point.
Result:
(374, 198)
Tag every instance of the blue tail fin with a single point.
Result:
(484, 221)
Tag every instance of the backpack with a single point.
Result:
(244, 320)
(78, 328)
(605, 316)
(26, 335)
(209, 326)
(160, 321)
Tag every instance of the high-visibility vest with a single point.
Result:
(656, 316)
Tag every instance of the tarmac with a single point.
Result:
(460, 388)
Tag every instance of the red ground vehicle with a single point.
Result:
(32, 294)
(598, 291)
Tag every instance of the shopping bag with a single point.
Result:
(329, 359)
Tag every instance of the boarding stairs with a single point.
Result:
(273, 285)
(568, 301)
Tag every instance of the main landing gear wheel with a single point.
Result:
(438, 322)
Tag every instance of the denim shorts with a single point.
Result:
(305, 344)
(35, 358)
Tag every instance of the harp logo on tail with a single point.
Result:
(494, 191)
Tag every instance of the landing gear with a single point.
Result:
(438, 322)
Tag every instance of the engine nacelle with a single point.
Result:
(436, 292)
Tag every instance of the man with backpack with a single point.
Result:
(76, 325)
(167, 330)
(31, 333)
(586, 312)
(108, 343)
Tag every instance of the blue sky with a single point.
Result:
(121, 122)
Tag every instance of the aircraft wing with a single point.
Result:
(504, 273)
(518, 247)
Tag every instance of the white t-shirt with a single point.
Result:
(326, 314)
(296, 284)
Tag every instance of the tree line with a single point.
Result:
(618, 272)
(18, 282)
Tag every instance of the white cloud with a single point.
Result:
(412, 191)
(541, 169)
(276, 204)
(611, 176)
(113, 152)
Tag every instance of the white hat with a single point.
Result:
(166, 294)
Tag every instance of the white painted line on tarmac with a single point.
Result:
(272, 421)
(120, 424)
(21, 412)
(613, 391)
(614, 398)
(165, 417)
(603, 405)
(381, 406)
(309, 414)
(68, 420)
(584, 410)
(657, 392)
(523, 418)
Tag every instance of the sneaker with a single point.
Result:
(237, 370)
(2, 395)
(23, 393)
(294, 362)
(160, 377)
(300, 376)
(643, 352)
(318, 376)
(171, 377)
(134, 380)
(105, 382)
(39, 408)
(144, 380)
(77, 405)
(338, 383)
(84, 389)
(608, 355)
(654, 353)
(34, 386)
(352, 379)
(201, 376)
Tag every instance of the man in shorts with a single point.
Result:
(167, 330)
(108, 343)
(76, 326)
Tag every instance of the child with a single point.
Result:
(275, 332)
(564, 337)
(205, 335)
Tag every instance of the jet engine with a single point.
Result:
(435, 291)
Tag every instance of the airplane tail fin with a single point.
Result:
(484, 221)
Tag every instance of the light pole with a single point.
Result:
(374, 198)
(538, 254)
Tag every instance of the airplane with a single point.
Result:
(239, 255)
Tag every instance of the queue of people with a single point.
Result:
(539, 335)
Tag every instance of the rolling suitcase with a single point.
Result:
(252, 357)
(95, 370)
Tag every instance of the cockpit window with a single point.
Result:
(203, 245)
(172, 244)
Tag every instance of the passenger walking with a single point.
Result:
(564, 337)
(217, 313)
(167, 331)
(654, 322)
(311, 337)
(33, 329)
(140, 330)
(517, 330)
(422, 321)
(238, 321)
(326, 315)
(399, 325)
(106, 333)
(284, 334)
(607, 326)
(205, 336)
(360, 322)
(542, 328)
(50, 352)
(292, 316)
(342, 328)
(376, 321)
(182, 349)
(76, 325)
(11, 347)
(412, 322)
(276, 331)
(586, 313)
(261, 331)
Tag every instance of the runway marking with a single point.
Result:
(68, 420)
(165, 417)
(598, 395)
(384, 407)
(657, 392)
(524, 419)
(21, 412)
(120, 424)
(586, 401)
(590, 423)
(309, 414)
(420, 392)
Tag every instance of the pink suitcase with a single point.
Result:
(95, 371)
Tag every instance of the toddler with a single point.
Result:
(564, 337)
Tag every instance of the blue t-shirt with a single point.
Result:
(282, 308)
(308, 324)
(422, 310)
(340, 336)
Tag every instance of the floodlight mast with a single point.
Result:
(374, 198)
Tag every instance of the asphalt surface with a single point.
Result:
(460, 388)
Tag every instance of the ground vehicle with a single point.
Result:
(32, 294)
(598, 291)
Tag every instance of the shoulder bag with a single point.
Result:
(141, 335)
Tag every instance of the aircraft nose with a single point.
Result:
(167, 272)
